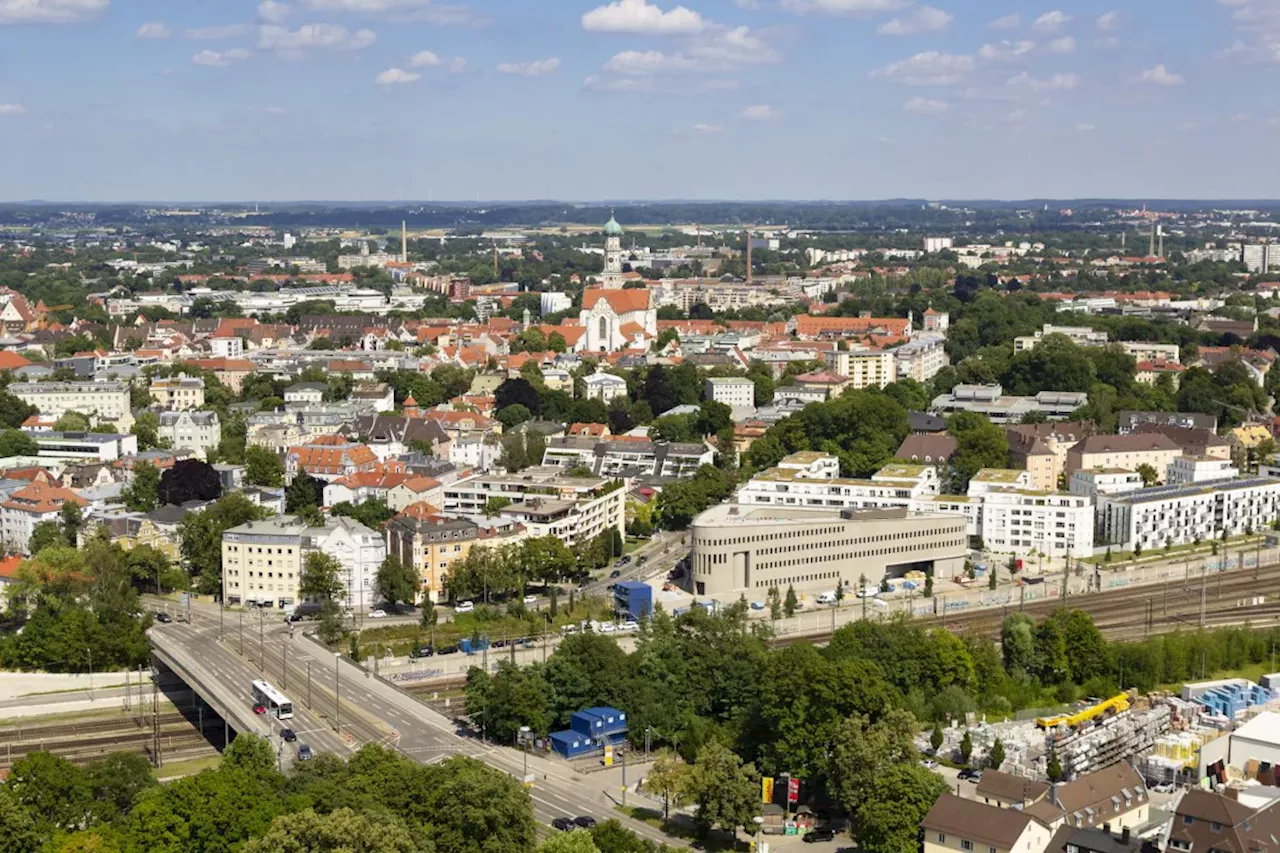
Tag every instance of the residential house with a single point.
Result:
(1193, 442)
(178, 393)
(1116, 796)
(304, 393)
(390, 436)
(957, 825)
(1007, 791)
(1130, 421)
(1209, 822)
(199, 432)
(605, 387)
(358, 549)
(328, 457)
(429, 543)
(1244, 442)
(1041, 449)
(416, 490)
(41, 501)
(1129, 452)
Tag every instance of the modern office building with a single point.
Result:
(733, 391)
(991, 401)
(101, 447)
(630, 455)
(548, 503)
(101, 401)
(751, 549)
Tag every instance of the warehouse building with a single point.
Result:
(741, 548)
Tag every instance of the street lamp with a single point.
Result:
(337, 705)
(89, 651)
(523, 738)
(759, 822)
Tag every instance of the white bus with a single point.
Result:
(276, 703)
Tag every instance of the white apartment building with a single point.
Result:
(810, 480)
(553, 302)
(1093, 482)
(85, 445)
(937, 244)
(865, 368)
(605, 387)
(199, 432)
(101, 401)
(262, 562)
(627, 455)
(1183, 514)
(1081, 335)
(1023, 521)
(921, 359)
(178, 393)
(1148, 351)
(733, 391)
(359, 550)
(1199, 469)
(228, 346)
(573, 509)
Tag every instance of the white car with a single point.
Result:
(929, 763)
(465, 607)
(377, 614)
(629, 625)
(608, 628)
(531, 599)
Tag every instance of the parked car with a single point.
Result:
(377, 614)
(424, 652)
(1163, 788)
(929, 763)
(566, 630)
(757, 605)
(625, 560)
(161, 616)
(287, 735)
(585, 821)
(464, 607)
(608, 628)
(259, 708)
(447, 650)
(822, 833)
(615, 574)
(564, 824)
(531, 599)
(305, 753)
(498, 644)
(629, 625)
(970, 775)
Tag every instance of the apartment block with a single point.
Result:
(921, 359)
(178, 393)
(1182, 514)
(1123, 451)
(101, 401)
(199, 432)
(733, 391)
(632, 456)
(429, 543)
(548, 503)
(864, 368)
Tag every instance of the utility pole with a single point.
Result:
(308, 685)
(284, 667)
(241, 633)
(1204, 588)
(155, 721)
(262, 642)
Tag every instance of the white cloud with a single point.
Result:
(648, 62)
(457, 65)
(1050, 21)
(1109, 21)
(424, 59)
(925, 107)
(50, 11)
(1061, 46)
(640, 17)
(1008, 22)
(214, 58)
(274, 111)
(1058, 82)
(399, 10)
(1085, 128)
(292, 43)
(715, 52)
(842, 7)
(396, 76)
(12, 110)
(925, 19)
(152, 30)
(658, 84)
(216, 33)
(1240, 118)
(759, 112)
(1160, 76)
(708, 128)
(272, 11)
(930, 68)
(538, 68)
(1006, 50)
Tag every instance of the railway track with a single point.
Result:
(13, 734)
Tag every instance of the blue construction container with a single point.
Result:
(633, 598)
(1230, 700)
(571, 744)
(472, 647)
(599, 722)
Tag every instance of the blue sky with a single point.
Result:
(585, 99)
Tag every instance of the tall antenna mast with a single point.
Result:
(748, 255)
(404, 243)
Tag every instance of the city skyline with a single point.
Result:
(350, 100)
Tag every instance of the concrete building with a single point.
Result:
(1041, 449)
(1104, 481)
(1199, 469)
(921, 359)
(199, 432)
(605, 386)
(101, 401)
(750, 549)
(1027, 521)
(1079, 335)
(554, 303)
(429, 543)
(1187, 513)
(226, 346)
(1149, 351)
(358, 549)
(810, 480)
(42, 500)
(101, 447)
(863, 368)
(991, 401)
(1131, 421)
(627, 455)
(733, 391)
(262, 562)
(1129, 452)
(178, 393)
(548, 503)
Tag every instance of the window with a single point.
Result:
(966, 844)
(942, 838)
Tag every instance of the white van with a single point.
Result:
(827, 598)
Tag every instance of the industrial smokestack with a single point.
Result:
(404, 243)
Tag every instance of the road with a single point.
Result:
(370, 710)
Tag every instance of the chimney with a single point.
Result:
(1106, 827)
(1053, 795)
(1124, 835)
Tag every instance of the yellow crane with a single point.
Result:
(1115, 705)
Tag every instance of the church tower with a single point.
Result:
(612, 277)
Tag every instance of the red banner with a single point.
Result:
(793, 790)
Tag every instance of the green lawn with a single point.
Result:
(190, 767)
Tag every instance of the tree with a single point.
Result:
(201, 534)
(341, 831)
(888, 820)
(789, 605)
(472, 808)
(190, 480)
(513, 415)
(146, 426)
(979, 444)
(15, 442)
(13, 411)
(371, 513)
(143, 494)
(304, 493)
(966, 747)
(668, 779)
(72, 421)
(46, 534)
(935, 739)
(321, 578)
(495, 505)
(995, 757)
(54, 791)
(18, 831)
(72, 519)
(1053, 769)
(263, 467)
(775, 604)
(396, 582)
(116, 781)
(577, 841)
(1149, 475)
(725, 790)
(862, 751)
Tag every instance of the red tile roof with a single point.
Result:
(621, 301)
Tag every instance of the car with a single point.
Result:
(757, 605)
(611, 587)
(423, 652)
(929, 763)
(377, 614)
(629, 625)
(822, 833)
(585, 821)
(625, 560)
(293, 617)
(608, 628)
(531, 599)
(642, 561)
(970, 775)
(464, 607)
(564, 824)
(446, 650)
(1163, 788)
(161, 616)
(259, 708)
(305, 753)
(566, 630)
(498, 644)
(288, 735)
(615, 574)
